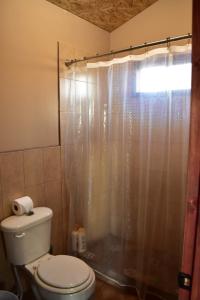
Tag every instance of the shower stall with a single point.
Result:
(125, 131)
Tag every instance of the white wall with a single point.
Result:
(162, 19)
(29, 31)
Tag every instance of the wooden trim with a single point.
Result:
(196, 98)
(196, 273)
(192, 197)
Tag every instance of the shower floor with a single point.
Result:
(108, 252)
(106, 291)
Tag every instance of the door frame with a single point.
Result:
(191, 245)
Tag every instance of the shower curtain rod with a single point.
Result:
(148, 44)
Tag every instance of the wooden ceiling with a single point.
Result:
(106, 14)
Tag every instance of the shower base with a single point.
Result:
(105, 257)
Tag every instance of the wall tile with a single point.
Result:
(33, 167)
(65, 210)
(52, 164)
(53, 200)
(1, 203)
(1, 196)
(12, 168)
(36, 173)
(63, 127)
(37, 194)
(12, 179)
(62, 161)
(64, 199)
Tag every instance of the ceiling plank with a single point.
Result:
(106, 14)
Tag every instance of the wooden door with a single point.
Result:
(191, 247)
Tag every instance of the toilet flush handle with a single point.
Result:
(21, 235)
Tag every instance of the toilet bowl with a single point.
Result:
(54, 277)
(62, 277)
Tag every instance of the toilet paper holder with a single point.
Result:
(30, 213)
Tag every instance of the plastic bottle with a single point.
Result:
(82, 247)
(75, 236)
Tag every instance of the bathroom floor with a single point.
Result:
(104, 291)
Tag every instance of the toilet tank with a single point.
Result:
(27, 237)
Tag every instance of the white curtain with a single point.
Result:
(125, 132)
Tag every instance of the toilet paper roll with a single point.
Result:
(21, 206)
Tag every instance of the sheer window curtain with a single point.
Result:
(125, 132)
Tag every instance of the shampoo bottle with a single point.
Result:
(75, 239)
(82, 247)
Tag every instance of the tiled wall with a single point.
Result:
(36, 173)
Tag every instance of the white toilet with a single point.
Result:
(60, 277)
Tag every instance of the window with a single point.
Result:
(164, 78)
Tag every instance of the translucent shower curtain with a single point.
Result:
(125, 131)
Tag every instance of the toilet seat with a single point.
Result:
(63, 274)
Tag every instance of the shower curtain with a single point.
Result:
(125, 131)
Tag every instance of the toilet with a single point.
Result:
(54, 277)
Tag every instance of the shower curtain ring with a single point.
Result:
(130, 51)
(168, 43)
(146, 47)
(189, 39)
(112, 54)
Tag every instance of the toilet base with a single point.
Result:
(85, 294)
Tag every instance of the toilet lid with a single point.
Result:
(63, 271)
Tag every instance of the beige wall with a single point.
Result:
(29, 31)
(162, 19)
